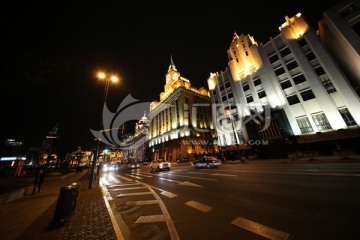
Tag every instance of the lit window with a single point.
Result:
(304, 124)
(321, 121)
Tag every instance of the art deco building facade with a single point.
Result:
(339, 30)
(134, 146)
(180, 123)
(288, 89)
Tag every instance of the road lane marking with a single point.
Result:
(261, 230)
(118, 233)
(125, 178)
(132, 175)
(144, 175)
(133, 194)
(123, 185)
(179, 175)
(150, 219)
(138, 203)
(130, 188)
(163, 192)
(225, 175)
(181, 183)
(170, 224)
(168, 194)
(199, 206)
(186, 183)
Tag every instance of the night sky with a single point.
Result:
(51, 51)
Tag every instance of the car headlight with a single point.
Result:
(161, 165)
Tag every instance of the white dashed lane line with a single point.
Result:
(199, 206)
(267, 232)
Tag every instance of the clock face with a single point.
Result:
(168, 77)
(175, 76)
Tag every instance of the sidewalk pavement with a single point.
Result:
(31, 216)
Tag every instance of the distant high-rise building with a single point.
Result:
(48, 150)
(180, 123)
(288, 89)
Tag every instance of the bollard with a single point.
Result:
(66, 203)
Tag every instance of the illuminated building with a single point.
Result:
(134, 146)
(287, 90)
(339, 30)
(180, 123)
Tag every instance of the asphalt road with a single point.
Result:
(256, 200)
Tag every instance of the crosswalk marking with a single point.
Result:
(132, 175)
(144, 175)
(123, 185)
(130, 188)
(267, 232)
(125, 178)
(133, 194)
(199, 206)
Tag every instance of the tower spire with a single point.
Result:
(172, 65)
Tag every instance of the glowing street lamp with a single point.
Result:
(108, 79)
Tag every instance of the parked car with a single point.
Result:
(160, 164)
(183, 160)
(133, 165)
(207, 162)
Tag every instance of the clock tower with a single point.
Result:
(172, 73)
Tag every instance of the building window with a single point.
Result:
(329, 86)
(348, 118)
(356, 28)
(257, 82)
(307, 95)
(319, 71)
(274, 58)
(302, 42)
(310, 56)
(321, 121)
(291, 65)
(293, 99)
(227, 84)
(284, 52)
(285, 84)
(299, 79)
(304, 124)
(230, 95)
(279, 71)
(249, 99)
(262, 94)
(246, 87)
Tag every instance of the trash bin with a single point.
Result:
(66, 203)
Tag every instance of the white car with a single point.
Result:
(160, 164)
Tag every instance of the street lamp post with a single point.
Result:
(108, 79)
